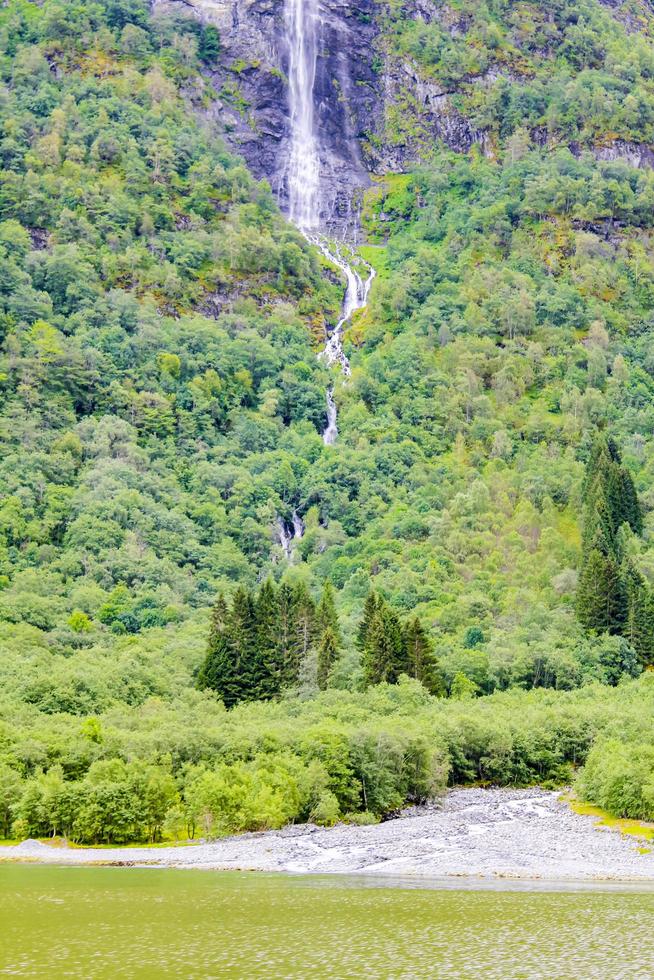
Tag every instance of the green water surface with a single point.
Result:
(126, 922)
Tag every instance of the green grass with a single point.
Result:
(641, 829)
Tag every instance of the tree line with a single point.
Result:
(260, 643)
(269, 640)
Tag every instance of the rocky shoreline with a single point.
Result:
(472, 833)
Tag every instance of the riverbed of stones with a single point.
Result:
(469, 833)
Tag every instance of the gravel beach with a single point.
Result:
(492, 833)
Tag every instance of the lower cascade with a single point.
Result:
(288, 535)
(303, 183)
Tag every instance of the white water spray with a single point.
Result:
(303, 180)
(356, 298)
(303, 174)
(288, 535)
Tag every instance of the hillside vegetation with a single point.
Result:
(162, 408)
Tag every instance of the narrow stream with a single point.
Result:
(356, 298)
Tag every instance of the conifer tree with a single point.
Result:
(304, 622)
(221, 671)
(423, 663)
(369, 610)
(328, 635)
(639, 628)
(377, 652)
(243, 636)
(327, 657)
(632, 512)
(601, 594)
(288, 650)
(266, 643)
(611, 596)
(385, 655)
(326, 615)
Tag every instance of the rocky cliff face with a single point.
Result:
(357, 89)
(376, 113)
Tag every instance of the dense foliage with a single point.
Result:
(279, 639)
(555, 71)
(161, 409)
(190, 767)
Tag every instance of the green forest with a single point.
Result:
(470, 600)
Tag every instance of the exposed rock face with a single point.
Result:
(355, 88)
(253, 90)
(374, 114)
(637, 155)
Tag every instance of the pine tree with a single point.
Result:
(400, 663)
(601, 595)
(602, 453)
(326, 615)
(266, 646)
(327, 657)
(304, 622)
(639, 627)
(611, 596)
(369, 611)
(608, 487)
(598, 531)
(632, 512)
(423, 664)
(328, 635)
(219, 615)
(243, 636)
(385, 655)
(288, 647)
(377, 654)
(221, 670)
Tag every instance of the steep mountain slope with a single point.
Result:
(396, 79)
(163, 405)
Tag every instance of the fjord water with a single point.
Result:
(128, 922)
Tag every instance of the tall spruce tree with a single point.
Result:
(369, 610)
(601, 594)
(218, 670)
(328, 635)
(612, 597)
(423, 665)
(268, 667)
(243, 639)
(639, 627)
(326, 615)
(304, 622)
(327, 657)
(384, 650)
(288, 647)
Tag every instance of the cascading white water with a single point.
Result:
(288, 535)
(303, 179)
(303, 174)
(356, 298)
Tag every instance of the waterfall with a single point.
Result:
(303, 173)
(298, 526)
(287, 535)
(330, 433)
(356, 298)
(303, 180)
(284, 538)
